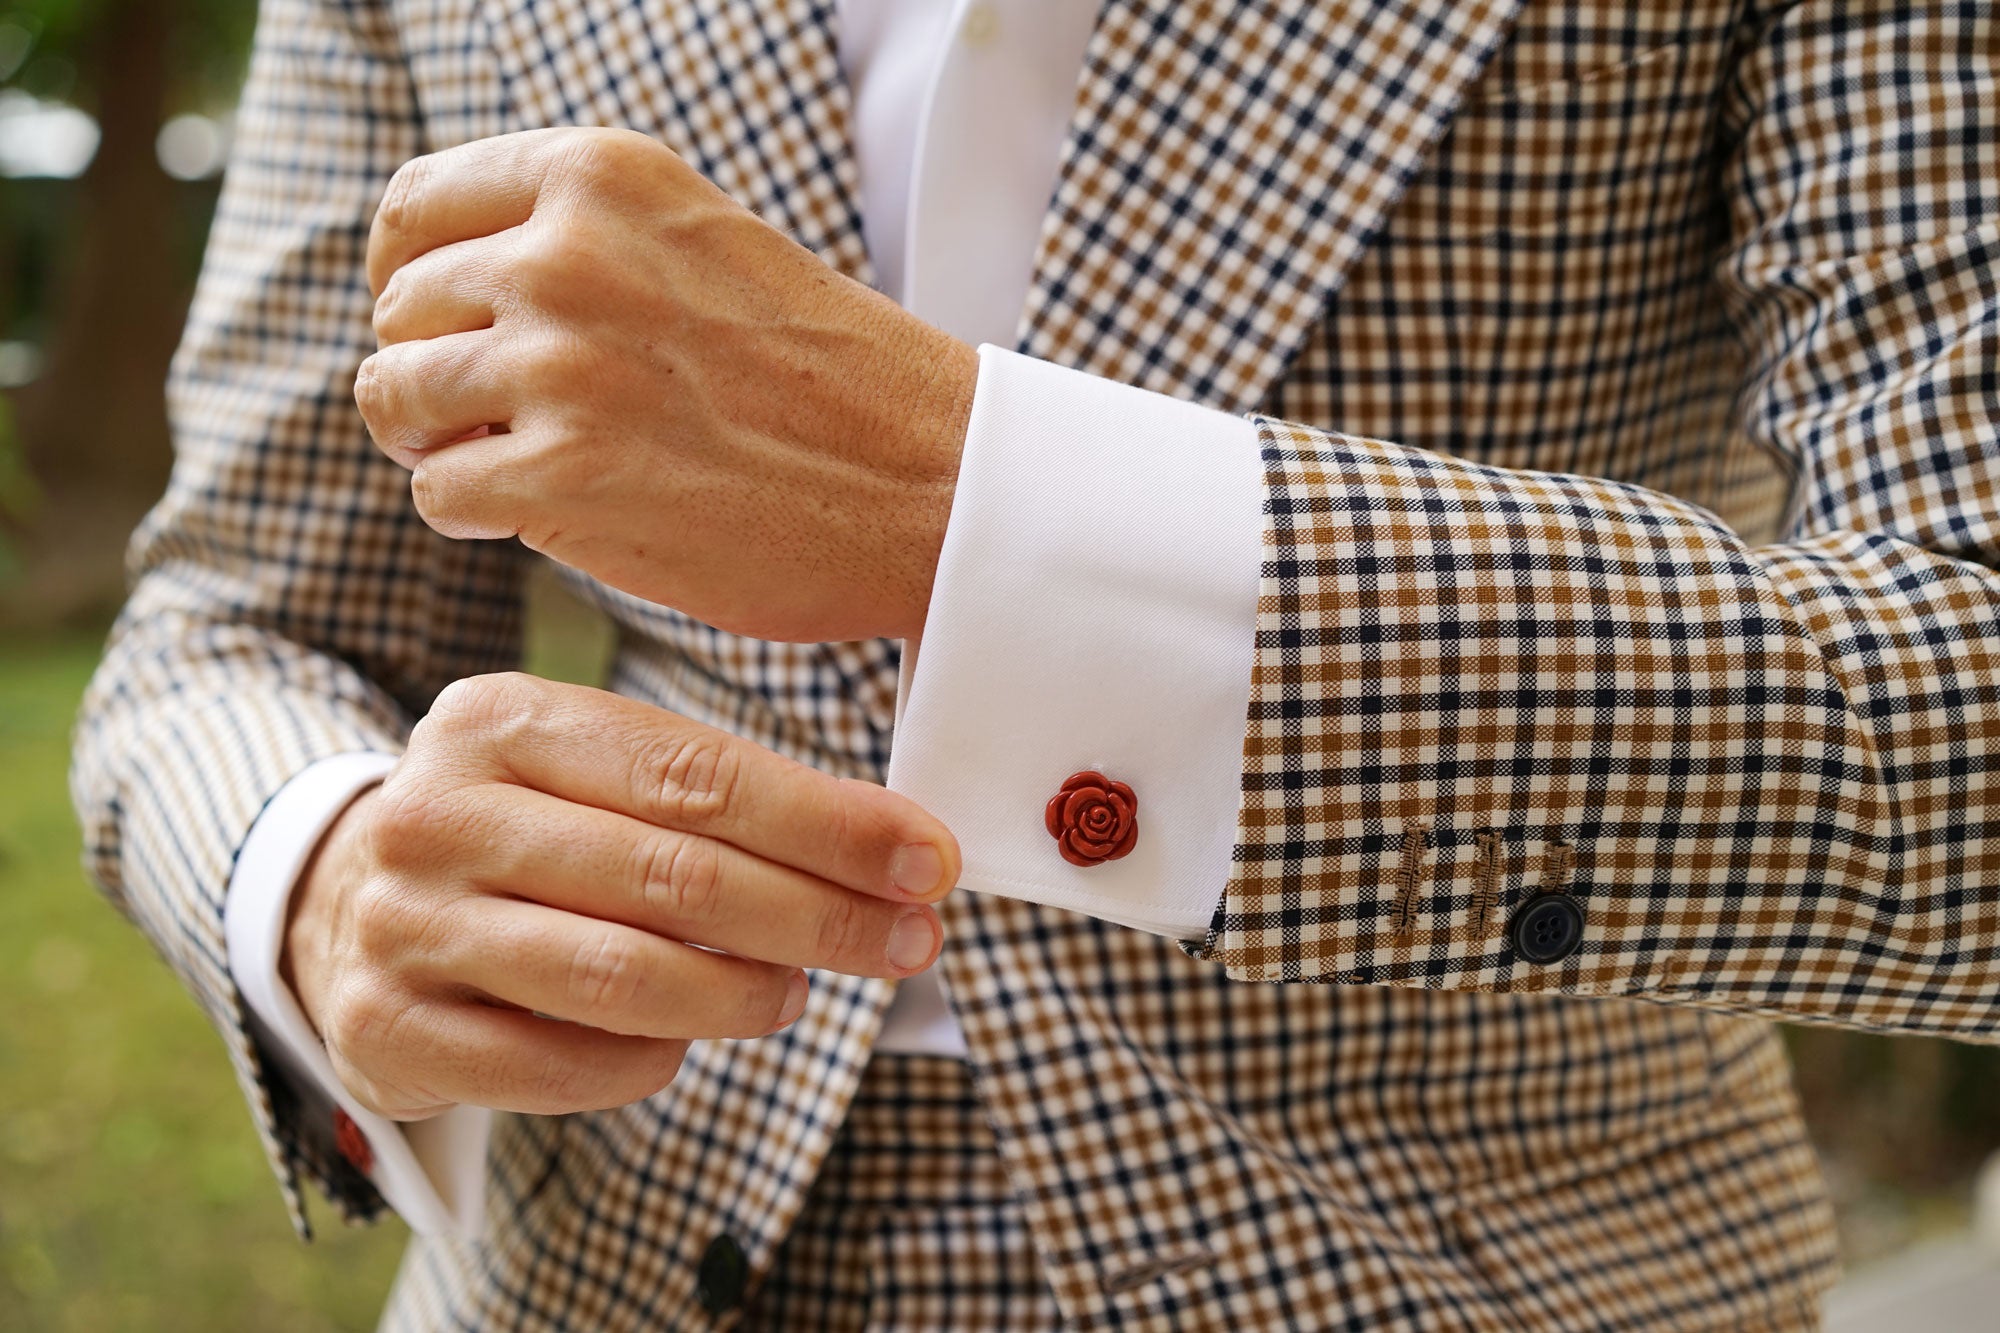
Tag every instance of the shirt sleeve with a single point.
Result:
(1095, 609)
(432, 1172)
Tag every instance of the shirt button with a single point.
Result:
(1547, 929)
(720, 1280)
(980, 27)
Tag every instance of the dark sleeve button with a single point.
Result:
(1547, 928)
(723, 1274)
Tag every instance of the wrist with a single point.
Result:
(941, 377)
(305, 952)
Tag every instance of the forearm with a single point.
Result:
(1623, 703)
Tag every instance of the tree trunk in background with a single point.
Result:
(94, 424)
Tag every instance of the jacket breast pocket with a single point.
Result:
(1617, 147)
(1564, 235)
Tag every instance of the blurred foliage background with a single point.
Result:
(132, 1191)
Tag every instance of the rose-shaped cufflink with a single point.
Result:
(352, 1143)
(1093, 819)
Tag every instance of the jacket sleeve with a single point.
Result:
(288, 603)
(1767, 777)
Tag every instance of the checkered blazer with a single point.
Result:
(1627, 371)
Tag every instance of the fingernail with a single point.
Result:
(917, 870)
(911, 941)
(795, 999)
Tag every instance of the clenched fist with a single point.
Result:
(588, 345)
(546, 852)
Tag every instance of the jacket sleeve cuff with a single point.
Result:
(432, 1172)
(1095, 609)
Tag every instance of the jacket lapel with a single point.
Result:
(1227, 161)
(749, 91)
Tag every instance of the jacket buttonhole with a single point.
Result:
(1152, 1270)
(1409, 880)
(1486, 895)
(1557, 864)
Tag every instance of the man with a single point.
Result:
(1609, 586)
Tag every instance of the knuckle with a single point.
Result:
(603, 155)
(372, 907)
(408, 783)
(341, 1023)
(372, 1095)
(393, 924)
(693, 776)
(865, 814)
(461, 496)
(428, 741)
(865, 823)
(387, 306)
(842, 825)
(559, 1084)
(373, 389)
(361, 1024)
(476, 702)
(435, 497)
(603, 975)
(406, 825)
(551, 361)
(682, 878)
(553, 1086)
(398, 212)
(851, 933)
(549, 257)
(364, 1087)
(477, 717)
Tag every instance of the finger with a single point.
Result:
(686, 887)
(452, 289)
(610, 976)
(618, 754)
(474, 189)
(477, 487)
(483, 1055)
(417, 395)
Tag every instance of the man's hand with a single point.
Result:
(588, 345)
(546, 849)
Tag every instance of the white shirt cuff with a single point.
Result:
(432, 1172)
(1095, 609)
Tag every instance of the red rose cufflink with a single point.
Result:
(352, 1143)
(1093, 819)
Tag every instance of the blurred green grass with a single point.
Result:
(133, 1193)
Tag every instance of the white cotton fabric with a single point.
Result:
(433, 1173)
(1096, 611)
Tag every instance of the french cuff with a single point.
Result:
(1094, 611)
(432, 1172)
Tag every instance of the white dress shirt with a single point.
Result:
(1096, 595)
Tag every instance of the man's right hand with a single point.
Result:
(547, 852)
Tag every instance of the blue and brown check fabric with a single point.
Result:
(1626, 380)
(1758, 724)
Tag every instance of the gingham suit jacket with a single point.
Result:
(1736, 254)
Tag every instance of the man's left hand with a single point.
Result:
(587, 344)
